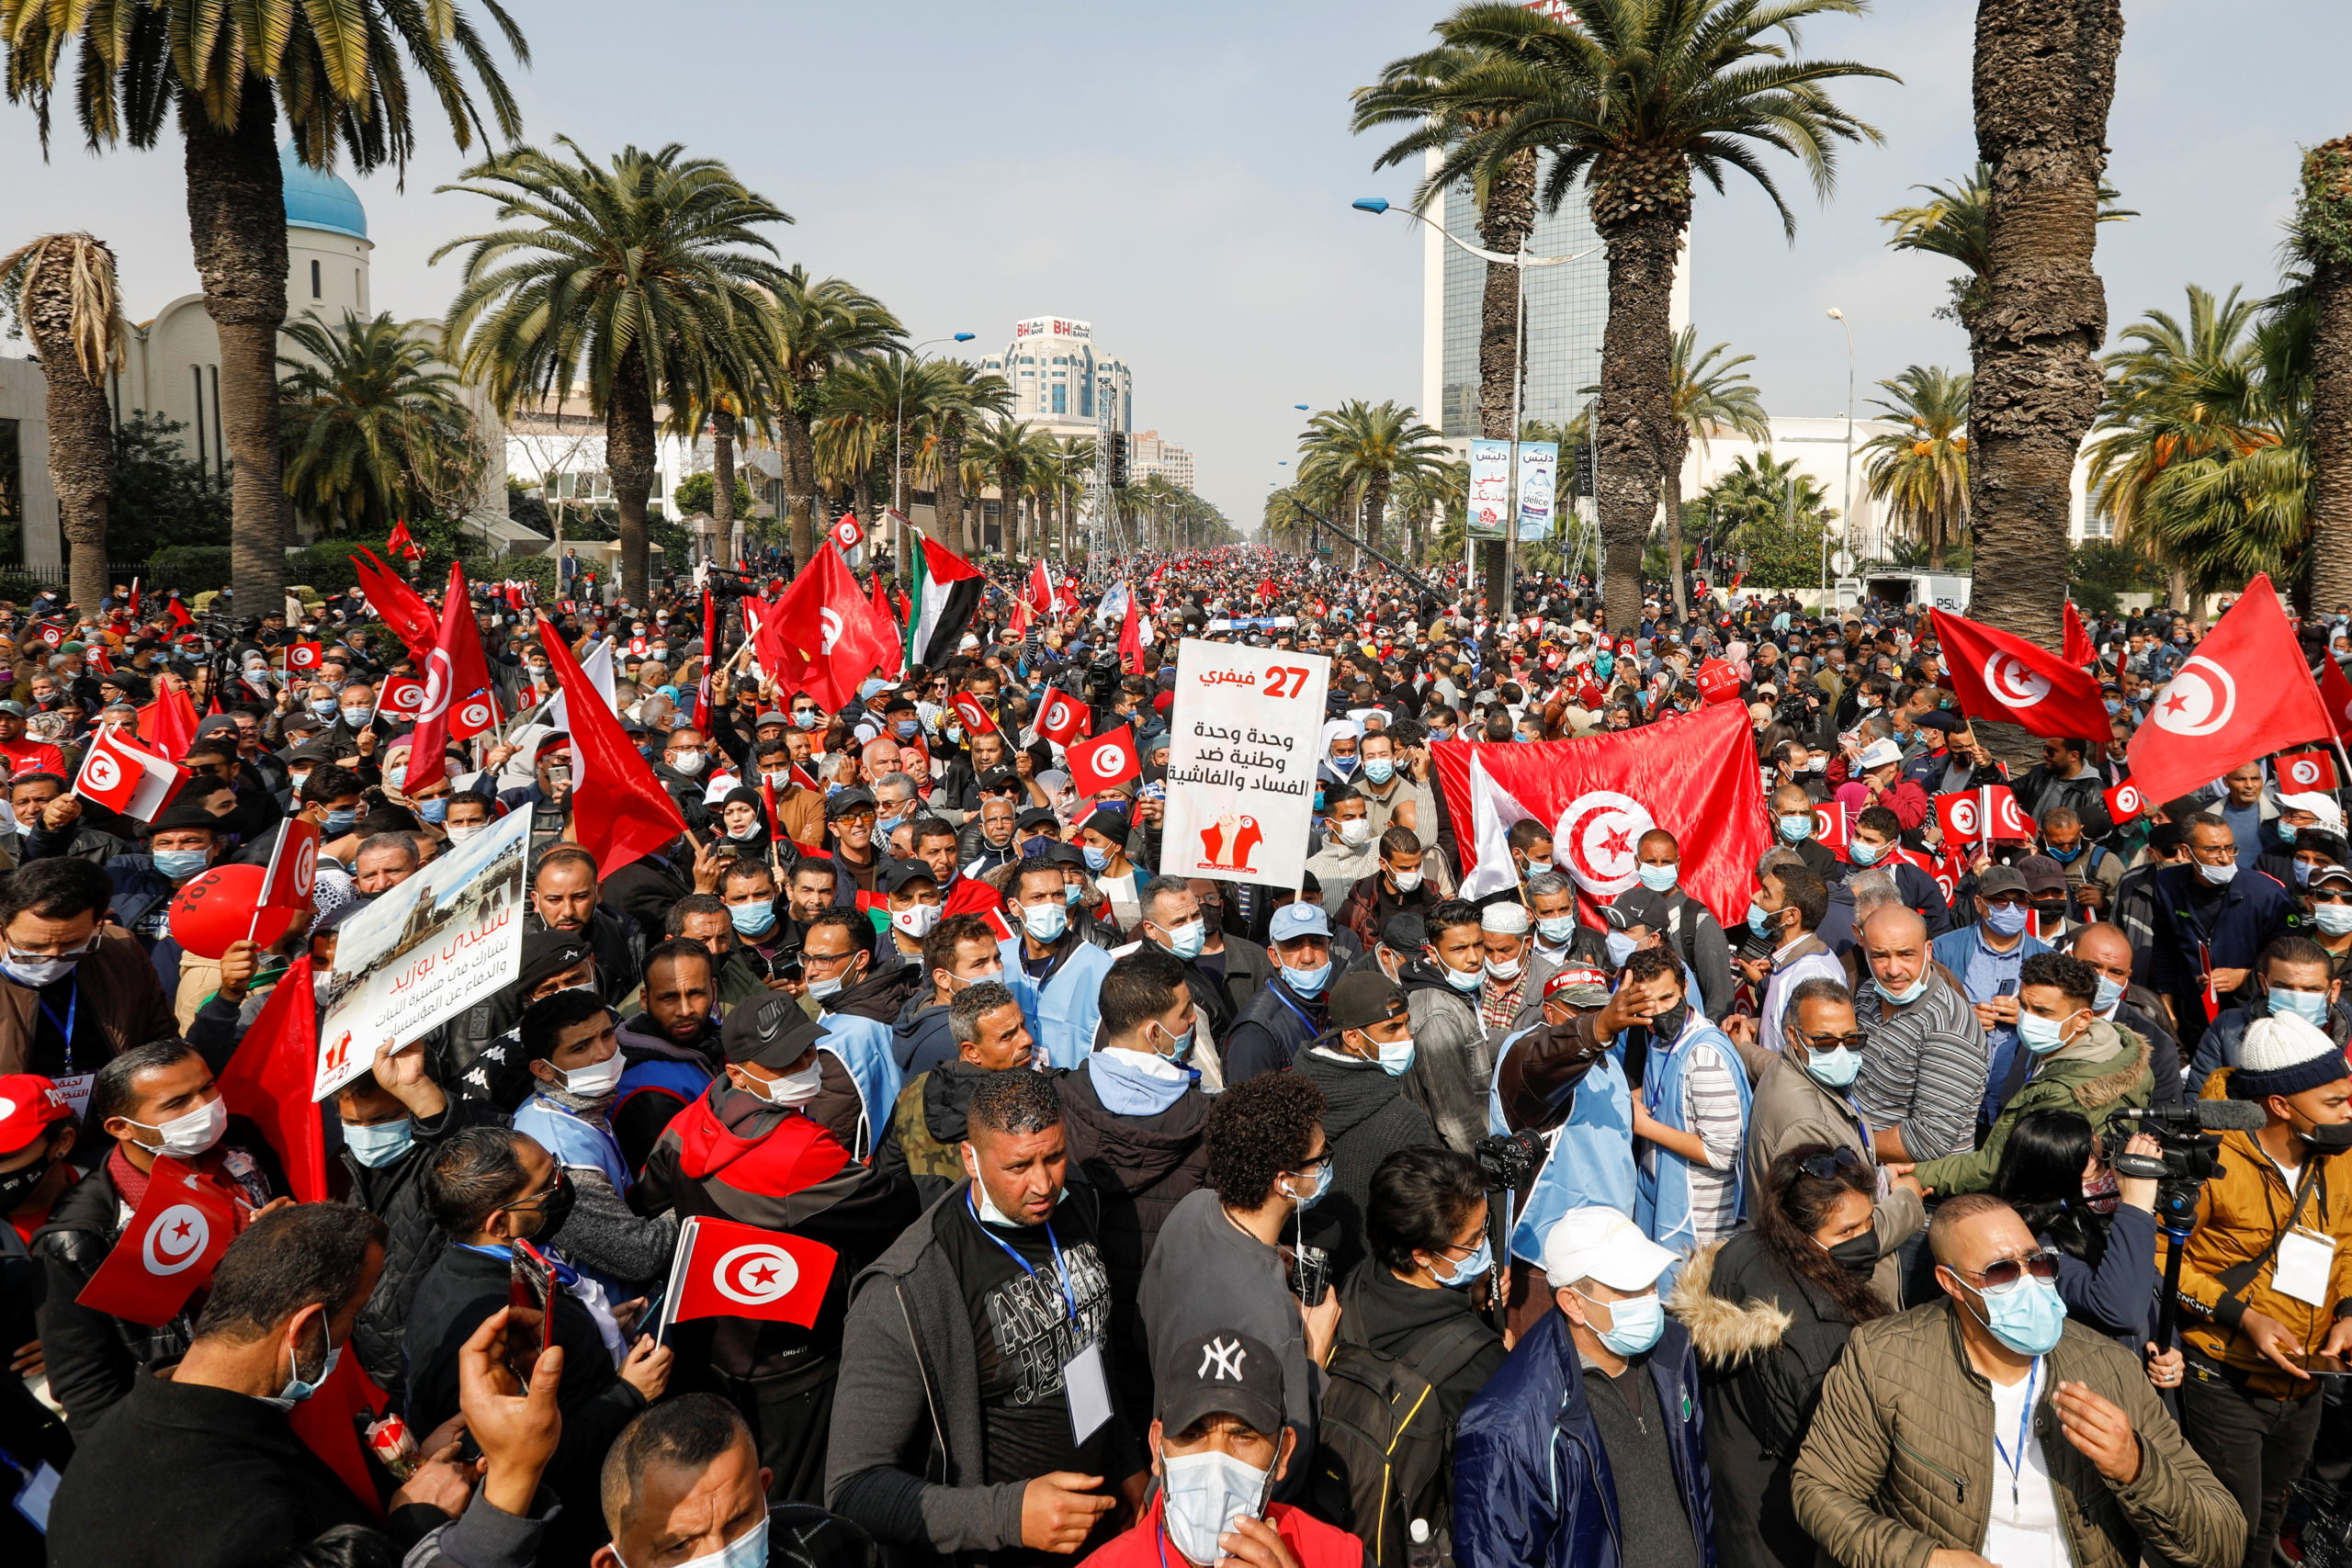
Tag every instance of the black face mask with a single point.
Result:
(558, 1209)
(1669, 1024)
(2328, 1137)
(17, 1185)
(1857, 1254)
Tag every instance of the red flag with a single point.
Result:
(2124, 801)
(401, 544)
(1693, 775)
(126, 777)
(1830, 828)
(304, 656)
(181, 619)
(402, 606)
(727, 1270)
(885, 623)
(620, 813)
(169, 1248)
(1040, 596)
(818, 638)
(458, 703)
(268, 1079)
(134, 598)
(53, 634)
(2335, 696)
(400, 696)
(293, 868)
(846, 533)
(1960, 814)
(1718, 681)
(1101, 764)
(2233, 700)
(2005, 819)
(2301, 773)
(1998, 676)
(100, 660)
(1062, 719)
(1130, 640)
(2079, 651)
(974, 713)
(169, 722)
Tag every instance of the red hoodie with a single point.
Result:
(1313, 1542)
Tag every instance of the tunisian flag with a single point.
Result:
(168, 723)
(268, 1079)
(1998, 676)
(170, 1247)
(2336, 692)
(2080, 654)
(1130, 640)
(2236, 698)
(403, 607)
(458, 702)
(818, 637)
(726, 1268)
(1694, 776)
(619, 810)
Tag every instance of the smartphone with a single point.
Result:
(1313, 1276)
(2321, 1366)
(530, 1282)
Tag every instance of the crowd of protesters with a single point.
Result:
(1180, 1219)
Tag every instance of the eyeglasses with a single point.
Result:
(2004, 900)
(2322, 897)
(1824, 1168)
(1851, 1041)
(2004, 1273)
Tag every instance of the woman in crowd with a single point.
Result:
(2101, 1226)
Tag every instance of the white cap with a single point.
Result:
(2330, 815)
(1507, 917)
(1602, 1245)
(1879, 753)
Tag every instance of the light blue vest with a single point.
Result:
(1663, 1206)
(573, 1139)
(1062, 1012)
(863, 1045)
(1591, 1162)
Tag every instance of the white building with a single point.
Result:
(1148, 455)
(1056, 376)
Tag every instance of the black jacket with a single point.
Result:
(1272, 1030)
(1379, 1310)
(1367, 1118)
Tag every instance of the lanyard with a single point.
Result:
(1060, 1268)
(73, 1009)
(1282, 995)
(2025, 1428)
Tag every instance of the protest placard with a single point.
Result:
(1241, 762)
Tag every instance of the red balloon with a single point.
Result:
(215, 909)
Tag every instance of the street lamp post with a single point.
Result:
(1518, 263)
(898, 442)
(1838, 316)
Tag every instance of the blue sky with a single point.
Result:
(1180, 174)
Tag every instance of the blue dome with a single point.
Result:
(317, 200)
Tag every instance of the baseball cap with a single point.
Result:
(1583, 987)
(547, 955)
(776, 1034)
(1603, 1246)
(1362, 999)
(1406, 934)
(1637, 907)
(2332, 872)
(1037, 816)
(1295, 920)
(896, 874)
(2042, 874)
(2005, 878)
(997, 779)
(1221, 1373)
(29, 1104)
(851, 799)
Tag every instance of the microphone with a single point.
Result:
(2202, 1116)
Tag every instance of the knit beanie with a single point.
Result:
(2282, 1055)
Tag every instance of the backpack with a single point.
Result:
(1381, 1445)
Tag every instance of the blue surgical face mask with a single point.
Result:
(1309, 981)
(1343, 766)
(181, 865)
(2286, 831)
(2039, 1034)
(1379, 770)
(324, 709)
(754, 919)
(1470, 1271)
(2063, 857)
(1659, 878)
(1620, 947)
(749, 1550)
(1073, 894)
(1097, 860)
(1764, 922)
(2302, 875)
(1396, 1056)
(2111, 991)
(1204, 1493)
(1458, 979)
(2028, 1318)
(1909, 994)
(2309, 1006)
(1633, 1325)
(2007, 919)
(341, 822)
(1796, 827)
(1187, 940)
(1044, 921)
(905, 728)
(1861, 852)
(435, 810)
(379, 1143)
(1556, 929)
(1835, 1068)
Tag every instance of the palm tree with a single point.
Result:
(1357, 445)
(1631, 97)
(1923, 471)
(372, 421)
(68, 304)
(638, 276)
(821, 324)
(851, 430)
(1707, 398)
(1006, 446)
(2323, 240)
(1436, 491)
(226, 70)
(1420, 91)
(1951, 223)
(960, 393)
(1762, 493)
(1072, 465)
(2044, 78)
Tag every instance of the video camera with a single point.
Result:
(1507, 1159)
(726, 583)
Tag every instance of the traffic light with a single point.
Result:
(1118, 460)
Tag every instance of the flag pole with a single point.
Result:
(677, 1265)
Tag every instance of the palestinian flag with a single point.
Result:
(944, 592)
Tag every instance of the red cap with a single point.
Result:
(29, 1104)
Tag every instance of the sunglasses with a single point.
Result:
(2320, 896)
(2005, 1272)
(2004, 900)
(1853, 1042)
(1824, 1168)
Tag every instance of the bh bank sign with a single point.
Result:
(1052, 326)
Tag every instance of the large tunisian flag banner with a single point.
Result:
(1694, 776)
(2235, 699)
(2003, 677)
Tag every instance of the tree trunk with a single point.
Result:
(628, 459)
(1008, 512)
(798, 451)
(2044, 78)
(722, 481)
(1640, 205)
(1503, 225)
(81, 438)
(2326, 225)
(236, 209)
(950, 501)
(862, 499)
(1671, 483)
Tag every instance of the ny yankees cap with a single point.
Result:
(1221, 1373)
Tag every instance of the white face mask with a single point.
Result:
(793, 1088)
(917, 922)
(688, 762)
(1205, 1494)
(593, 1081)
(185, 1136)
(1357, 833)
(1406, 881)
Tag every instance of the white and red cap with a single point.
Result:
(29, 1105)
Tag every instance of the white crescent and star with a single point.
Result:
(2199, 700)
(1599, 832)
(2013, 682)
(755, 1274)
(176, 1240)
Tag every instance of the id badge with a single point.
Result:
(1087, 1386)
(2304, 1261)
